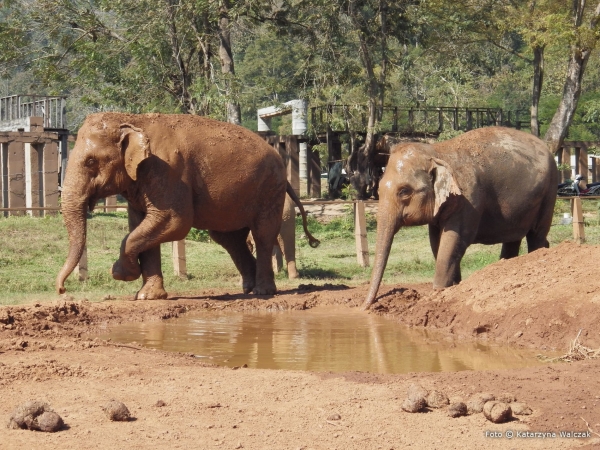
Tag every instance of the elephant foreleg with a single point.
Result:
(154, 229)
(434, 239)
(451, 250)
(150, 264)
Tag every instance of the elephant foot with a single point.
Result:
(118, 272)
(265, 290)
(152, 290)
(293, 272)
(247, 286)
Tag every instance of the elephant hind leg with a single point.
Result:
(510, 249)
(235, 244)
(535, 241)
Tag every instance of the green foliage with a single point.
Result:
(198, 235)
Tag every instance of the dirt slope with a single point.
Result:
(538, 301)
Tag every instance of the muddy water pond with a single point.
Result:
(320, 339)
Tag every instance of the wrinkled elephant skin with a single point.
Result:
(492, 185)
(176, 172)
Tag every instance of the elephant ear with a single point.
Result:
(444, 183)
(135, 148)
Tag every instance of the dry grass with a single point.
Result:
(577, 352)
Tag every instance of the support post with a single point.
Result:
(360, 234)
(179, 261)
(293, 166)
(577, 213)
(582, 163)
(16, 177)
(50, 177)
(315, 179)
(82, 267)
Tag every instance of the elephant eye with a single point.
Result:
(90, 162)
(404, 191)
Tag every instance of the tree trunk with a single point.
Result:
(572, 89)
(538, 81)
(181, 80)
(227, 67)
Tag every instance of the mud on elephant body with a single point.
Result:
(176, 172)
(493, 185)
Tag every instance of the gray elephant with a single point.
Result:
(176, 172)
(493, 185)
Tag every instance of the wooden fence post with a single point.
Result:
(179, 261)
(360, 234)
(577, 213)
(110, 203)
(82, 266)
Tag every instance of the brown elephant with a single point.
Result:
(286, 239)
(493, 185)
(176, 172)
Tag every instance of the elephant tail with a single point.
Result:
(312, 241)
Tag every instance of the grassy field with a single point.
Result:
(32, 251)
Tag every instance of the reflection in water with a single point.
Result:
(322, 339)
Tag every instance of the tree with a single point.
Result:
(585, 38)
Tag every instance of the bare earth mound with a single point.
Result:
(538, 301)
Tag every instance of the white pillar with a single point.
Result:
(299, 113)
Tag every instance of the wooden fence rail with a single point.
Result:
(360, 232)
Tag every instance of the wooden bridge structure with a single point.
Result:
(33, 152)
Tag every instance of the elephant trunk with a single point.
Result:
(385, 236)
(75, 217)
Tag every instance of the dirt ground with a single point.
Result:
(539, 301)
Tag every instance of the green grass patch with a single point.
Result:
(32, 251)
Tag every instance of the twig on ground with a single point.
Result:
(588, 427)
(123, 345)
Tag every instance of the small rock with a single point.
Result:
(497, 412)
(416, 391)
(49, 422)
(476, 402)
(518, 334)
(413, 405)
(506, 397)
(416, 399)
(116, 411)
(160, 404)
(457, 409)
(437, 399)
(35, 415)
(108, 297)
(520, 409)
(334, 417)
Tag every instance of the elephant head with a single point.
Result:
(104, 162)
(415, 186)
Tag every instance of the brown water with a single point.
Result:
(321, 339)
